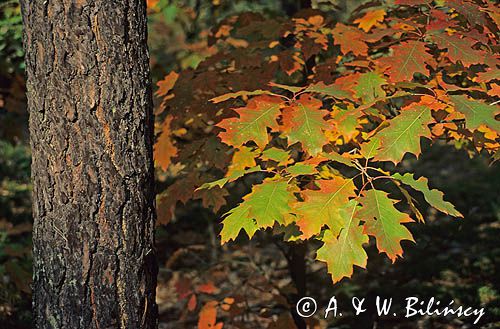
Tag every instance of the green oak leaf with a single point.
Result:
(304, 122)
(369, 87)
(233, 175)
(328, 90)
(342, 253)
(276, 154)
(402, 136)
(269, 202)
(301, 169)
(237, 219)
(433, 197)
(477, 113)
(225, 97)
(321, 207)
(384, 222)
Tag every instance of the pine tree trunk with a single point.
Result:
(89, 98)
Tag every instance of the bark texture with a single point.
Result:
(89, 98)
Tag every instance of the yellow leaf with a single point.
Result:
(370, 19)
(243, 158)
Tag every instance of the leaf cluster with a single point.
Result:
(324, 112)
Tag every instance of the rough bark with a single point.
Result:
(89, 99)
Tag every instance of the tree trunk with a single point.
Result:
(89, 99)
(297, 267)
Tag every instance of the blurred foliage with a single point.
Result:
(11, 37)
(15, 232)
(13, 116)
(179, 29)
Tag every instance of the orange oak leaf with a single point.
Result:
(260, 113)
(350, 39)
(152, 3)
(408, 58)
(439, 21)
(290, 62)
(164, 149)
(370, 19)
(459, 49)
(165, 210)
(322, 207)
(469, 10)
(413, 2)
(165, 85)
(207, 288)
(243, 158)
(208, 317)
(214, 197)
(347, 124)
(488, 76)
(183, 287)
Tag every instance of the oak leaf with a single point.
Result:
(269, 202)
(280, 156)
(332, 90)
(472, 12)
(191, 305)
(207, 288)
(488, 76)
(340, 158)
(384, 222)
(408, 58)
(225, 97)
(237, 219)
(403, 134)
(301, 168)
(260, 113)
(165, 85)
(212, 198)
(164, 148)
(413, 2)
(477, 113)
(304, 122)
(369, 86)
(370, 19)
(347, 124)
(433, 197)
(459, 49)
(342, 253)
(234, 175)
(321, 207)
(243, 158)
(350, 39)
(208, 317)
